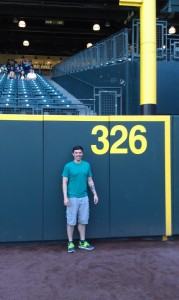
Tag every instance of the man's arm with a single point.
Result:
(64, 188)
(92, 187)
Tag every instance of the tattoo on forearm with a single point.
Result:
(92, 187)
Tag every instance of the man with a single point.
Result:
(75, 177)
(31, 75)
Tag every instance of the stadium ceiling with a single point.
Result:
(64, 28)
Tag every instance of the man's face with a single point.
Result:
(77, 154)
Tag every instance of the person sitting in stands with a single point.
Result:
(18, 70)
(31, 75)
(11, 74)
(26, 66)
(22, 75)
(3, 69)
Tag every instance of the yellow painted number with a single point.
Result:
(120, 141)
(102, 138)
(137, 142)
(135, 138)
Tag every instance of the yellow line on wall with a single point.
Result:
(168, 204)
(21, 118)
(84, 118)
(54, 118)
(139, 118)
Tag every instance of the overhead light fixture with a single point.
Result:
(26, 43)
(89, 45)
(107, 24)
(15, 20)
(96, 27)
(22, 24)
(172, 30)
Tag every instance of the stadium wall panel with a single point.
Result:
(130, 160)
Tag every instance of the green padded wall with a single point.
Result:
(21, 179)
(130, 160)
(137, 181)
(59, 138)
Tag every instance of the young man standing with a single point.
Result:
(75, 178)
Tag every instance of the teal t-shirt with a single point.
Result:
(77, 175)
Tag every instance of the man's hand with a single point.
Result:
(95, 199)
(66, 202)
(92, 187)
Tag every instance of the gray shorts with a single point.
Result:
(78, 210)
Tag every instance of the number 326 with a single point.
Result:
(135, 137)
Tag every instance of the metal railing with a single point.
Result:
(109, 51)
(174, 47)
(161, 39)
(120, 47)
(35, 108)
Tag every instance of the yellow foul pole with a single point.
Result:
(147, 53)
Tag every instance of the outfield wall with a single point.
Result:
(135, 167)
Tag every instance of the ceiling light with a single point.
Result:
(26, 43)
(22, 24)
(107, 24)
(89, 45)
(172, 30)
(15, 20)
(96, 27)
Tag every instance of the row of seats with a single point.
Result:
(15, 92)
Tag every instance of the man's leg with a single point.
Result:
(70, 230)
(83, 217)
(82, 230)
(71, 214)
(83, 244)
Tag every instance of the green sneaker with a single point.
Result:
(85, 245)
(71, 247)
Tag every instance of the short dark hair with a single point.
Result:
(77, 147)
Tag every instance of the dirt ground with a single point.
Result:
(115, 270)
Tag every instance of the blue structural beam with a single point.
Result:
(171, 6)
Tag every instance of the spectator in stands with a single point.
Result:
(15, 64)
(22, 75)
(26, 66)
(3, 69)
(31, 75)
(18, 69)
(11, 74)
(10, 64)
